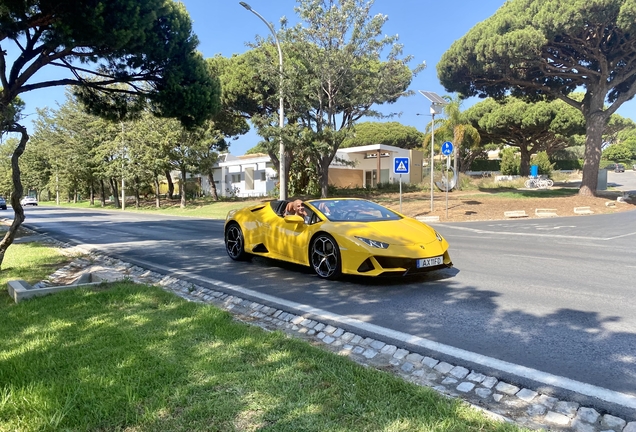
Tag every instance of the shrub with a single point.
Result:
(510, 161)
(542, 161)
(485, 165)
(568, 164)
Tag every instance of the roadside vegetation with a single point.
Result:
(134, 357)
(31, 262)
(207, 207)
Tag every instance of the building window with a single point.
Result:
(236, 178)
(375, 155)
(263, 178)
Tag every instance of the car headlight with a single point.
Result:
(439, 237)
(374, 243)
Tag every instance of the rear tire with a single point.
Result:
(324, 257)
(235, 243)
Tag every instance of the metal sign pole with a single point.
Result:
(447, 183)
(431, 171)
(400, 193)
(447, 150)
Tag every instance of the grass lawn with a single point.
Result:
(202, 207)
(136, 358)
(31, 262)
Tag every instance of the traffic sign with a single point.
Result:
(401, 165)
(447, 148)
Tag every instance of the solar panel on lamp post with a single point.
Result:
(437, 104)
(282, 174)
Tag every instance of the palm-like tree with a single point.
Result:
(465, 138)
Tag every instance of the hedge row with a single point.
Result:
(494, 165)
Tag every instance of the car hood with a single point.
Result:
(401, 232)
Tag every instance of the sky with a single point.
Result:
(426, 29)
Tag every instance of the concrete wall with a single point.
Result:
(346, 178)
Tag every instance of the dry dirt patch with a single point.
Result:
(474, 206)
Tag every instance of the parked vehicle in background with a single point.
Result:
(611, 166)
(28, 200)
(3, 203)
(634, 167)
(619, 168)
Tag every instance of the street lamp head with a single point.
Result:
(246, 6)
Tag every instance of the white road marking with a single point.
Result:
(526, 234)
(601, 393)
(533, 257)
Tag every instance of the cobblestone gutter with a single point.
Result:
(497, 399)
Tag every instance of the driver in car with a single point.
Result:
(296, 207)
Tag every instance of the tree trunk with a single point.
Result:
(170, 184)
(213, 185)
(113, 187)
(456, 165)
(157, 190)
(288, 164)
(103, 199)
(182, 190)
(17, 191)
(323, 172)
(92, 192)
(75, 193)
(137, 201)
(524, 165)
(595, 124)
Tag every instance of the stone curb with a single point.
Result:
(499, 400)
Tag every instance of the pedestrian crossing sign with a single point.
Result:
(401, 165)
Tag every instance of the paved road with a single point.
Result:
(623, 181)
(553, 295)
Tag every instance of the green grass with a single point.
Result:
(133, 357)
(202, 207)
(31, 262)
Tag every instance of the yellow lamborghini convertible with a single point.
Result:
(350, 236)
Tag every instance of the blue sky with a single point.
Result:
(426, 28)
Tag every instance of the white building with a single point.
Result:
(255, 175)
(360, 166)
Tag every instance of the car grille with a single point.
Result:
(409, 265)
(390, 262)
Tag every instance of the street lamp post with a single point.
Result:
(123, 181)
(437, 103)
(282, 174)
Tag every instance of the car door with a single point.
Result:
(289, 237)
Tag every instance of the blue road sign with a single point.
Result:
(447, 148)
(401, 165)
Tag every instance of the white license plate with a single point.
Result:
(430, 262)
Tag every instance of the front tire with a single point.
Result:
(235, 243)
(324, 256)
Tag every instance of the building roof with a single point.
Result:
(371, 147)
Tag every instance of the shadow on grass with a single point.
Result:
(137, 357)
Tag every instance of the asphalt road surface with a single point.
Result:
(554, 295)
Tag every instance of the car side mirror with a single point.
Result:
(294, 219)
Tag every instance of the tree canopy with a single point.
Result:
(531, 127)
(389, 133)
(338, 66)
(146, 46)
(550, 48)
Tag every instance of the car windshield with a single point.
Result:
(353, 210)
